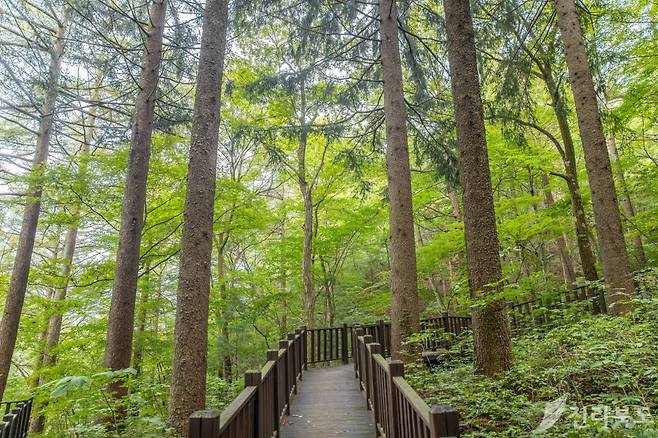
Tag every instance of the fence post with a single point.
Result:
(356, 350)
(375, 349)
(11, 419)
(444, 421)
(283, 345)
(293, 361)
(343, 343)
(300, 352)
(253, 378)
(273, 356)
(204, 424)
(305, 347)
(365, 368)
(25, 413)
(382, 336)
(395, 369)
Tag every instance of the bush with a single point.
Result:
(604, 365)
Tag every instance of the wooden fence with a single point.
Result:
(397, 409)
(257, 411)
(536, 311)
(16, 418)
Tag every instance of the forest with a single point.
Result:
(183, 184)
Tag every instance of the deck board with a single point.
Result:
(329, 404)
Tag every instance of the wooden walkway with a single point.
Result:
(329, 404)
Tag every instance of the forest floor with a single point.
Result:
(597, 374)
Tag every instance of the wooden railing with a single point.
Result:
(328, 344)
(449, 324)
(16, 418)
(257, 411)
(397, 409)
(535, 311)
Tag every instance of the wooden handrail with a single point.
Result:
(257, 411)
(398, 410)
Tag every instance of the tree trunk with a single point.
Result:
(597, 162)
(404, 283)
(587, 258)
(568, 270)
(307, 258)
(454, 204)
(306, 189)
(142, 315)
(118, 349)
(283, 279)
(19, 276)
(493, 347)
(225, 366)
(626, 204)
(37, 421)
(188, 388)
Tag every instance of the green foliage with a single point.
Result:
(597, 360)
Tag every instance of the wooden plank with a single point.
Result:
(329, 404)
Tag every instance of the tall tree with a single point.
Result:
(118, 349)
(493, 346)
(188, 388)
(404, 284)
(568, 270)
(19, 277)
(626, 203)
(541, 53)
(54, 328)
(597, 162)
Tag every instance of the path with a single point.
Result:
(329, 404)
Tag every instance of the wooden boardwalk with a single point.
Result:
(329, 404)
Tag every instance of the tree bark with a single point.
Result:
(19, 276)
(404, 283)
(454, 204)
(188, 388)
(493, 347)
(626, 203)
(118, 349)
(597, 162)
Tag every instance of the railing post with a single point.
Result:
(253, 378)
(343, 343)
(273, 356)
(300, 353)
(356, 350)
(283, 345)
(395, 369)
(204, 424)
(367, 339)
(375, 348)
(26, 416)
(10, 418)
(293, 361)
(444, 421)
(305, 347)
